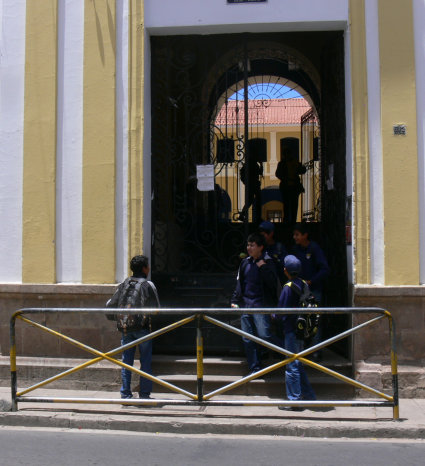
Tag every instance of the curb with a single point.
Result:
(289, 427)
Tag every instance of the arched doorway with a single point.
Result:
(198, 234)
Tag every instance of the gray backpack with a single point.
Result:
(134, 294)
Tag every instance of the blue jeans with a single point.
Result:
(297, 384)
(258, 325)
(145, 350)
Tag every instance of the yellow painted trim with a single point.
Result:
(39, 164)
(361, 189)
(136, 118)
(400, 156)
(99, 142)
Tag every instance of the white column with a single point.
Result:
(69, 141)
(375, 144)
(121, 197)
(12, 84)
(419, 35)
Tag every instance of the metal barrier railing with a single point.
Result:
(201, 398)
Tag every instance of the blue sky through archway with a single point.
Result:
(267, 91)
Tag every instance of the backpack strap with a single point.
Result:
(294, 287)
(298, 291)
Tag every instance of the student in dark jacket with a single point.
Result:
(315, 268)
(256, 287)
(297, 384)
(275, 249)
(315, 271)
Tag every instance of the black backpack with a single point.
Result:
(134, 294)
(307, 324)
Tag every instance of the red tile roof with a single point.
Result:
(264, 112)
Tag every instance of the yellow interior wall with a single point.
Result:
(400, 158)
(39, 165)
(136, 118)
(99, 142)
(360, 143)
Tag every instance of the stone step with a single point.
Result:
(235, 365)
(270, 385)
(178, 370)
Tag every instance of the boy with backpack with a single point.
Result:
(297, 384)
(135, 292)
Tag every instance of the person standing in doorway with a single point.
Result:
(288, 171)
(251, 174)
(256, 287)
(315, 270)
(275, 249)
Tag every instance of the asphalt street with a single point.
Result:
(20, 446)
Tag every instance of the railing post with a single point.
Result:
(394, 374)
(200, 360)
(13, 381)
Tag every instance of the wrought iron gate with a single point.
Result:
(198, 236)
(195, 122)
(310, 158)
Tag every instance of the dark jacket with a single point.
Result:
(289, 298)
(256, 286)
(314, 265)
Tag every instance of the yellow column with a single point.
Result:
(135, 137)
(38, 246)
(99, 142)
(400, 157)
(361, 190)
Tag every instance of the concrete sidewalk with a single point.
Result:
(340, 422)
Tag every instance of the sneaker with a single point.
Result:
(291, 408)
(145, 396)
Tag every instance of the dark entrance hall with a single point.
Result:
(195, 255)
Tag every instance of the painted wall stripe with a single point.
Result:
(12, 72)
(375, 144)
(69, 140)
(400, 158)
(419, 21)
(360, 143)
(99, 142)
(121, 226)
(38, 246)
(135, 135)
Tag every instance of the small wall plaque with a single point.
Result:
(399, 130)
(246, 1)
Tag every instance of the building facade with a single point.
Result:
(93, 94)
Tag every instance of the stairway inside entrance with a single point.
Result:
(180, 371)
(221, 371)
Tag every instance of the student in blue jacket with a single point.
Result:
(297, 384)
(315, 268)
